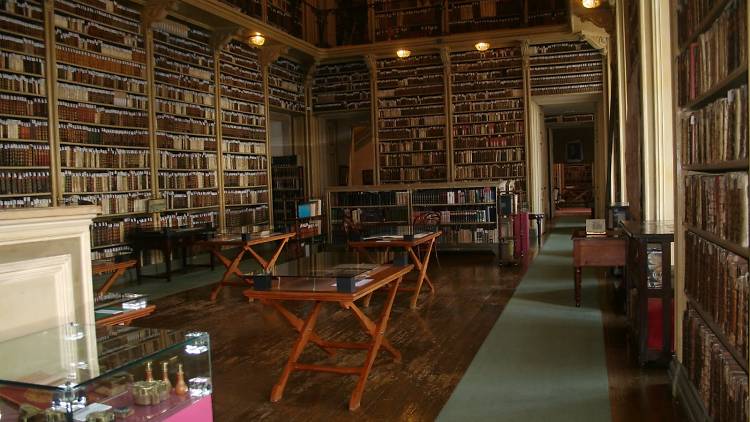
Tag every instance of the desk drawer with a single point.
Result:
(599, 252)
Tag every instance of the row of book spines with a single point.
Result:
(113, 204)
(719, 281)
(479, 171)
(719, 205)
(455, 196)
(489, 156)
(25, 182)
(720, 381)
(567, 89)
(16, 155)
(414, 174)
(717, 132)
(25, 202)
(486, 215)
(23, 106)
(21, 63)
(715, 55)
(369, 198)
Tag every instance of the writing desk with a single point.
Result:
(608, 250)
(320, 287)
(425, 240)
(245, 242)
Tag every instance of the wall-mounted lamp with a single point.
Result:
(591, 4)
(482, 46)
(257, 39)
(403, 53)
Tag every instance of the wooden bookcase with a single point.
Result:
(185, 90)
(397, 19)
(711, 68)
(244, 139)
(488, 115)
(467, 212)
(341, 87)
(572, 67)
(288, 189)
(412, 123)
(25, 159)
(103, 120)
(286, 85)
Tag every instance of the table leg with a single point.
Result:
(422, 267)
(232, 269)
(299, 346)
(167, 252)
(539, 232)
(378, 333)
(578, 286)
(268, 264)
(110, 281)
(299, 324)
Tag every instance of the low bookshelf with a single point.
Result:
(467, 213)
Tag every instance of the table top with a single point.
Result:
(580, 234)
(324, 289)
(325, 265)
(655, 230)
(390, 240)
(245, 238)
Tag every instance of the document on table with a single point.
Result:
(360, 283)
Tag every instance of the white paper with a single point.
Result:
(80, 416)
(360, 283)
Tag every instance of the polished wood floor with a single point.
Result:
(250, 344)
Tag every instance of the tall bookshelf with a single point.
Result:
(411, 119)
(397, 19)
(286, 85)
(187, 158)
(288, 189)
(571, 67)
(488, 112)
(244, 139)
(286, 15)
(25, 172)
(102, 112)
(712, 119)
(341, 87)
(472, 15)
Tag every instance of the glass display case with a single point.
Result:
(92, 374)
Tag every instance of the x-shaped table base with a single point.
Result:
(232, 265)
(419, 264)
(306, 330)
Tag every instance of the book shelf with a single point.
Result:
(572, 67)
(488, 112)
(474, 15)
(286, 15)
(286, 85)
(186, 135)
(288, 189)
(467, 213)
(341, 87)
(412, 125)
(397, 19)
(244, 140)
(102, 110)
(25, 161)
(712, 117)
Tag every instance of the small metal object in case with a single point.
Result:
(105, 416)
(123, 412)
(199, 386)
(145, 393)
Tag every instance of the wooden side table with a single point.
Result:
(608, 250)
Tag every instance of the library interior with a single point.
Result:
(517, 210)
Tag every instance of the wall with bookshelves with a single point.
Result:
(102, 110)
(341, 87)
(466, 212)
(488, 114)
(412, 124)
(286, 85)
(184, 92)
(712, 117)
(244, 138)
(407, 19)
(25, 172)
(288, 189)
(572, 67)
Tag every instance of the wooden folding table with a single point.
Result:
(117, 269)
(426, 239)
(319, 291)
(245, 242)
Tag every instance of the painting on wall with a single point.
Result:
(574, 151)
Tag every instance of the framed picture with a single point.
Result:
(574, 151)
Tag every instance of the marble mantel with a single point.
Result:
(45, 268)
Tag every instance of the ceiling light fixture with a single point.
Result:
(258, 39)
(482, 46)
(590, 4)
(403, 53)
